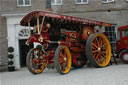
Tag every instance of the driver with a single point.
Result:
(46, 27)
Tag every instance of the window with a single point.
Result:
(125, 32)
(24, 33)
(81, 1)
(23, 2)
(108, 1)
(56, 2)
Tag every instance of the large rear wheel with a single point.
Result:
(98, 50)
(62, 60)
(35, 61)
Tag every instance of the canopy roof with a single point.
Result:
(123, 27)
(32, 18)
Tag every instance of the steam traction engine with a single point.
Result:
(66, 41)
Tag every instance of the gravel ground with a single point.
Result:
(111, 75)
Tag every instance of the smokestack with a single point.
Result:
(48, 5)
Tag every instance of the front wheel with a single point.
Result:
(123, 55)
(98, 50)
(62, 59)
(35, 61)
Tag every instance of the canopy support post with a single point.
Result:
(42, 23)
(38, 25)
(29, 29)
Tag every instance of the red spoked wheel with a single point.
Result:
(62, 60)
(35, 61)
(98, 50)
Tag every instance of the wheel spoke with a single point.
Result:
(94, 55)
(63, 66)
(97, 41)
(100, 61)
(94, 48)
(65, 55)
(97, 56)
(34, 54)
(103, 57)
(61, 60)
(103, 52)
(93, 44)
(100, 42)
(103, 45)
(60, 54)
(95, 51)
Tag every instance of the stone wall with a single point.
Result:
(3, 44)
(115, 12)
(116, 17)
(10, 6)
(92, 6)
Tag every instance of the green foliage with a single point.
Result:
(11, 56)
(10, 49)
(10, 63)
(39, 47)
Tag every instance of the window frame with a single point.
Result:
(124, 32)
(82, 2)
(23, 3)
(108, 1)
(118, 35)
(56, 3)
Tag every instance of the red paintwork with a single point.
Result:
(123, 42)
(72, 34)
(123, 27)
(34, 38)
(74, 40)
(32, 15)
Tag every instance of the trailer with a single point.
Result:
(66, 42)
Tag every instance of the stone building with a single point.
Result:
(12, 11)
(113, 11)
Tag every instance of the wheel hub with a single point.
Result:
(65, 59)
(99, 49)
(126, 57)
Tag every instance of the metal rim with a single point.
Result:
(36, 62)
(101, 50)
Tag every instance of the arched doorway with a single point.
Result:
(23, 48)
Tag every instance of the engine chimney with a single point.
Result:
(48, 5)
